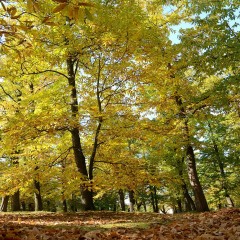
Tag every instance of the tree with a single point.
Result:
(216, 22)
(99, 100)
(74, 53)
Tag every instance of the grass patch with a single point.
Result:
(142, 225)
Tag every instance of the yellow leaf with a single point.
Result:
(22, 27)
(50, 23)
(29, 5)
(61, 1)
(59, 7)
(46, 19)
(36, 6)
(85, 4)
(15, 17)
(75, 12)
(12, 11)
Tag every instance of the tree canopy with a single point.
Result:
(96, 101)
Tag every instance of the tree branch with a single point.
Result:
(55, 161)
(48, 70)
(7, 93)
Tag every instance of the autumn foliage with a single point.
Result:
(100, 102)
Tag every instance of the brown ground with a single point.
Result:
(220, 225)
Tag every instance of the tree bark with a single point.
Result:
(144, 206)
(132, 200)
(64, 205)
(190, 206)
(156, 199)
(4, 204)
(23, 205)
(179, 204)
(121, 200)
(15, 204)
(86, 194)
(64, 201)
(200, 200)
(153, 202)
(73, 203)
(16, 201)
(38, 205)
(139, 204)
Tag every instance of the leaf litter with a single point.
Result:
(219, 225)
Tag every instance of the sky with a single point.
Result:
(174, 36)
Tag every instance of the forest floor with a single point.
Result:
(223, 224)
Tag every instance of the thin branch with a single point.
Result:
(44, 71)
(102, 170)
(84, 64)
(47, 130)
(45, 85)
(56, 159)
(200, 107)
(112, 163)
(8, 94)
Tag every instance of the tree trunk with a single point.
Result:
(139, 204)
(16, 201)
(114, 207)
(179, 204)
(48, 206)
(132, 200)
(200, 200)
(87, 199)
(4, 204)
(144, 206)
(23, 204)
(64, 201)
(73, 203)
(190, 205)
(121, 199)
(38, 205)
(86, 194)
(15, 204)
(155, 199)
(64, 205)
(153, 202)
